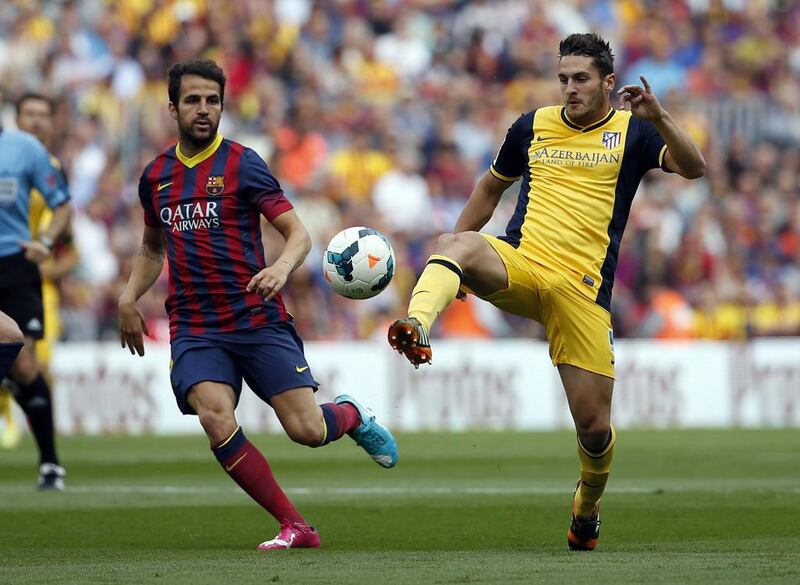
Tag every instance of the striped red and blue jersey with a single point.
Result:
(209, 207)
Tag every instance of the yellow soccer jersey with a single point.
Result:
(39, 214)
(577, 188)
(39, 217)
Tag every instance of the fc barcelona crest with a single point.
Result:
(611, 139)
(215, 185)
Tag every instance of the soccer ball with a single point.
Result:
(358, 262)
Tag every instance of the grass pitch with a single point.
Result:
(681, 507)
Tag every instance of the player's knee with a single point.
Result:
(446, 242)
(456, 246)
(10, 331)
(306, 432)
(593, 432)
(218, 423)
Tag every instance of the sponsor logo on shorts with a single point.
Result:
(300, 370)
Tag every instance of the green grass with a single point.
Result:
(682, 507)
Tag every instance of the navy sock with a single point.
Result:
(8, 354)
(232, 445)
(339, 419)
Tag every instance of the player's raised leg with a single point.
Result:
(463, 258)
(11, 341)
(589, 396)
(214, 404)
(314, 425)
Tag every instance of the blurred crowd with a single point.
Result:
(384, 112)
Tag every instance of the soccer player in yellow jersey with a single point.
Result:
(580, 164)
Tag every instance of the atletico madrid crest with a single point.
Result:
(611, 139)
(215, 185)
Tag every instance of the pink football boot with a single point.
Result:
(293, 536)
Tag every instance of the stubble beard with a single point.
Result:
(593, 111)
(192, 139)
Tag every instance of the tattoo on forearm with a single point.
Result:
(150, 254)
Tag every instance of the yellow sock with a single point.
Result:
(435, 289)
(594, 475)
(5, 404)
(11, 433)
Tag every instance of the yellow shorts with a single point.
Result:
(578, 329)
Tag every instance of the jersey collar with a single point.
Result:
(597, 124)
(200, 156)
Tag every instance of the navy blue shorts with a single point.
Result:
(270, 359)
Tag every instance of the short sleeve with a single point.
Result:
(512, 158)
(146, 199)
(47, 178)
(260, 188)
(651, 147)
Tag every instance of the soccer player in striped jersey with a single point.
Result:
(580, 164)
(202, 201)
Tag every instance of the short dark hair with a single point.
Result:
(205, 68)
(32, 95)
(589, 45)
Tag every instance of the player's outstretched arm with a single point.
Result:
(298, 243)
(683, 156)
(481, 203)
(146, 270)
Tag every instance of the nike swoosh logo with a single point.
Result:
(235, 463)
(540, 139)
(164, 185)
(300, 370)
